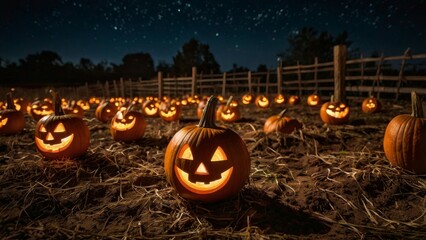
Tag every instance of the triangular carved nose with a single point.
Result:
(49, 137)
(201, 170)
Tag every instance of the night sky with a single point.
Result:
(247, 33)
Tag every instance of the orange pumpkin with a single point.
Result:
(279, 99)
(12, 121)
(281, 123)
(262, 102)
(230, 112)
(73, 108)
(206, 162)
(294, 100)
(334, 112)
(371, 105)
(41, 108)
(150, 107)
(170, 111)
(105, 111)
(314, 100)
(61, 135)
(405, 139)
(247, 98)
(127, 125)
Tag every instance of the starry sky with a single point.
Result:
(242, 32)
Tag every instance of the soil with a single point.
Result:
(322, 182)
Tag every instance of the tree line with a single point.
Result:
(48, 68)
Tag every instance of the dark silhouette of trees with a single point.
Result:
(307, 43)
(195, 54)
(137, 65)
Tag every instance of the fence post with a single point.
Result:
(279, 78)
(316, 75)
(194, 81)
(122, 87)
(160, 85)
(115, 88)
(339, 60)
(378, 75)
(407, 54)
(249, 81)
(267, 83)
(299, 79)
(108, 94)
(224, 84)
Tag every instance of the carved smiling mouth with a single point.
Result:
(43, 112)
(228, 115)
(123, 126)
(337, 113)
(54, 148)
(3, 122)
(168, 114)
(202, 187)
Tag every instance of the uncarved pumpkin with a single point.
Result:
(206, 162)
(404, 142)
(281, 123)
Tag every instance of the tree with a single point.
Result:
(165, 68)
(195, 54)
(137, 65)
(307, 44)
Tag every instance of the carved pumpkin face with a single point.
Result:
(170, 111)
(262, 102)
(21, 104)
(105, 111)
(40, 109)
(335, 113)
(247, 99)
(150, 108)
(313, 100)
(293, 100)
(128, 125)
(206, 162)
(371, 105)
(61, 135)
(74, 108)
(230, 112)
(279, 99)
(12, 120)
(83, 104)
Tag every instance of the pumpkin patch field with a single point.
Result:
(310, 181)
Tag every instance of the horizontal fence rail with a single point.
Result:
(386, 77)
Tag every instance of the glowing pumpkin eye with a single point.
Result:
(131, 117)
(59, 128)
(172, 108)
(219, 155)
(342, 105)
(108, 110)
(331, 106)
(119, 115)
(75, 111)
(34, 106)
(186, 153)
(42, 129)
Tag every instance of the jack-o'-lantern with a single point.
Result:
(150, 108)
(313, 100)
(279, 99)
(61, 135)
(206, 162)
(334, 112)
(170, 111)
(184, 102)
(105, 111)
(128, 125)
(262, 102)
(247, 98)
(294, 100)
(12, 120)
(230, 112)
(95, 101)
(85, 105)
(371, 105)
(21, 105)
(405, 139)
(281, 123)
(41, 108)
(73, 108)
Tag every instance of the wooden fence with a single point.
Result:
(386, 77)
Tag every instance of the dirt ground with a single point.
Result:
(322, 182)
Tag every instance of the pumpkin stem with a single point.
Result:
(57, 103)
(207, 120)
(9, 100)
(416, 105)
(229, 101)
(282, 113)
(332, 98)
